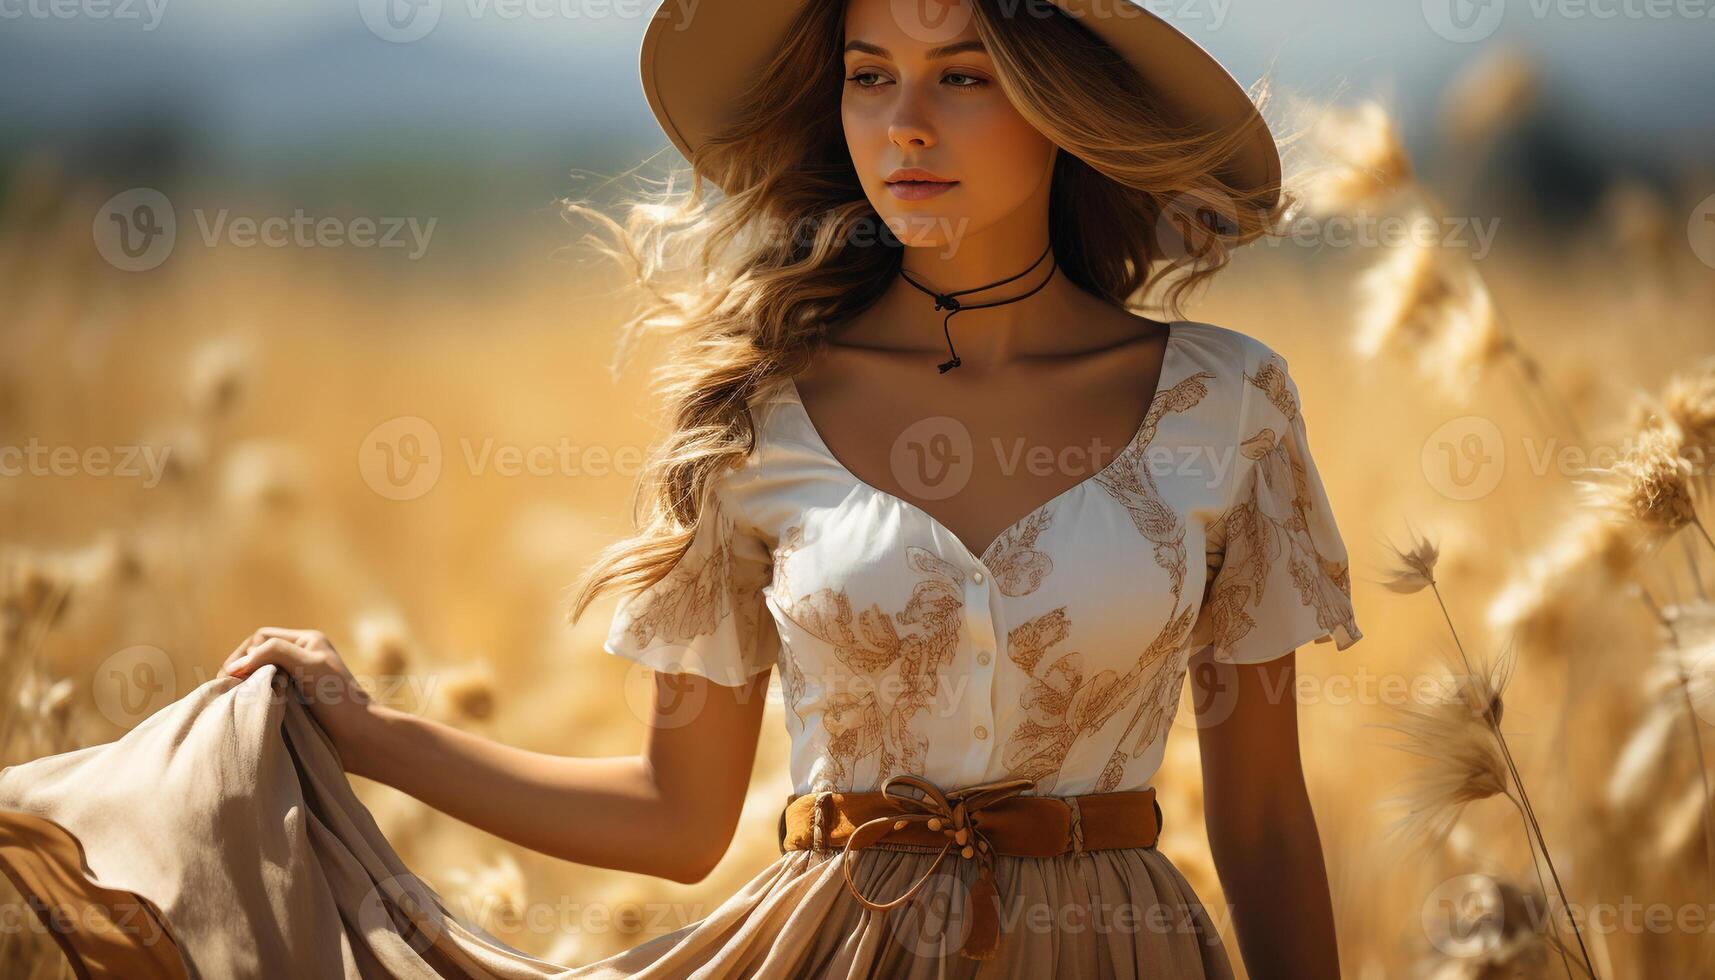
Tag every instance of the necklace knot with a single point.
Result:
(947, 301)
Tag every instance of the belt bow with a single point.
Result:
(952, 814)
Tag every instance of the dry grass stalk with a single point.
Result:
(1368, 162)
(1461, 736)
(1488, 94)
(1584, 559)
(1688, 661)
(1659, 487)
(33, 598)
(1426, 301)
(493, 895)
(1651, 490)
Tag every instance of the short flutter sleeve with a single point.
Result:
(707, 616)
(1278, 571)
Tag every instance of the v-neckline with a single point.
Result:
(1161, 385)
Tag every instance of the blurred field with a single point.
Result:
(265, 370)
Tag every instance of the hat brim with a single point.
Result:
(694, 67)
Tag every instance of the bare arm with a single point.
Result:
(1262, 833)
(670, 811)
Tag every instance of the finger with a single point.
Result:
(237, 651)
(280, 652)
(274, 650)
(299, 637)
(236, 657)
(308, 639)
(244, 645)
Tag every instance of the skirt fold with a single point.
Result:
(230, 813)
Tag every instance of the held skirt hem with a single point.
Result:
(229, 814)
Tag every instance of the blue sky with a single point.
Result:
(288, 79)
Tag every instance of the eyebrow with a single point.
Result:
(940, 52)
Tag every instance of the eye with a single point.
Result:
(861, 74)
(975, 82)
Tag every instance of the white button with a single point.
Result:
(977, 577)
(982, 732)
(983, 657)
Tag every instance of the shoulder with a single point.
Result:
(773, 416)
(1254, 373)
(781, 435)
(1230, 347)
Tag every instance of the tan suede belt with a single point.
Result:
(980, 821)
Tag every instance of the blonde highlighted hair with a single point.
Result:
(745, 282)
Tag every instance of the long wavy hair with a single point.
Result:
(744, 279)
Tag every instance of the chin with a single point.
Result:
(930, 223)
(918, 230)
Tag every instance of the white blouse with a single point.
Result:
(1059, 653)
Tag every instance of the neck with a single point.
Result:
(992, 317)
(978, 260)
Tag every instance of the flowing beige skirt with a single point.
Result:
(228, 815)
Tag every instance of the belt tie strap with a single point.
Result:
(952, 815)
(818, 820)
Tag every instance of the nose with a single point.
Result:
(910, 135)
(910, 126)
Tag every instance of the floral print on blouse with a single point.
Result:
(1059, 653)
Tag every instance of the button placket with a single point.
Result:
(980, 618)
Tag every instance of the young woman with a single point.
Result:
(983, 584)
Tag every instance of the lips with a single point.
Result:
(917, 184)
(917, 175)
(920, 190)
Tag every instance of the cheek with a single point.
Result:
(1012, 157)
(865, 135)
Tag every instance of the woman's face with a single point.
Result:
(920, 92)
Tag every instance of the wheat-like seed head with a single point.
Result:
(491, 894)
(217, 375)
(1414, 568)
(1463, 762)
(1489, 93)
(1368, 162)
(1647, 490)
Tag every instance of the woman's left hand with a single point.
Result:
(335, 697)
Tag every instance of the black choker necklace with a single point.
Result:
(945, 301)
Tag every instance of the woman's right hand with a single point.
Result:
(336, 699)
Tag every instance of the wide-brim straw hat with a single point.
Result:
(696, 64)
